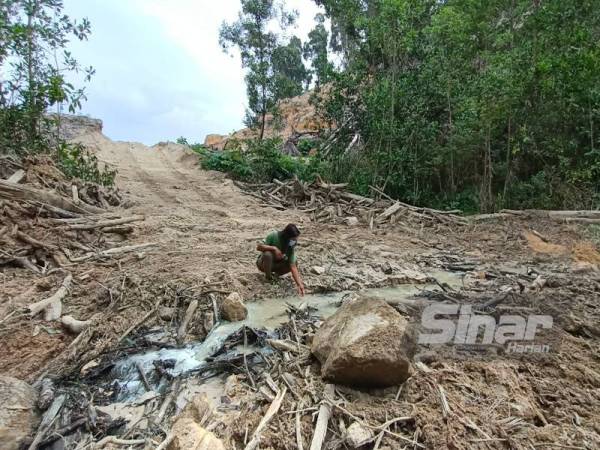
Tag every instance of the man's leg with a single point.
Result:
(265, 264)
(281, 267)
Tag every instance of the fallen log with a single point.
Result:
(12, 191)
(52, 304)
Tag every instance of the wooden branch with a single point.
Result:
(73, 325)
(47, 420)
(273, 408)
(189, 313)
(388, 212)
(140, 370)
(116, 441)
(53, 302)
(114, 251)
(167, 402)
(323, 419)
(75, 194)
(34, 242)
(107, 223)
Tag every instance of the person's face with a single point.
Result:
(293, 241)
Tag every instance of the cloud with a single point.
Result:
(160, 72)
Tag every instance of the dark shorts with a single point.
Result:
(279, 267)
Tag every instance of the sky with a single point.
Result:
(160, 72)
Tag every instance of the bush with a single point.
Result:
(77, 162)
(260, 161)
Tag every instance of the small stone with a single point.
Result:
(233, 308)
(317, 270)
(387, 268)
(358, 435)
(351, 221)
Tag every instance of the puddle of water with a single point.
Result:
(267, 314)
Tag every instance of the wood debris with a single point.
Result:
(329, 202)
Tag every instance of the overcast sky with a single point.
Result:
(160, 72)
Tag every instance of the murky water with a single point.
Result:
(268, 313)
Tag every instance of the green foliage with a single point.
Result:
(315, 50)
(261, 161)
(273, 70)
(77, 162)
(469, 100)
(289, 73)
(33, 39)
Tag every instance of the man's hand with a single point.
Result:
(278, 254)
(301, 290)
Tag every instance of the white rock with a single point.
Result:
(358, 435)
(318, 270)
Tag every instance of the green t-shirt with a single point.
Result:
(274, 240)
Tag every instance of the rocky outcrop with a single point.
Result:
(72, 126)
(296, 117)
(18, 415)
(366, 343)
(233, 308)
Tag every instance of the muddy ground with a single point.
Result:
(207, 229)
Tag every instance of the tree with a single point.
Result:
(477, 104)
(289, 73)
(315, 50)
(33, 37)
(256, 43)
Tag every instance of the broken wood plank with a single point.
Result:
(189, 313)
(16, 177)
(323, 419)
(273, 408)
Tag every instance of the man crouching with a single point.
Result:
(278, 255)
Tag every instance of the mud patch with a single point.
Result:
(538, 245)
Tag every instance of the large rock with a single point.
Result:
(18, 415)
(365, 343)
(215, 141)
(233, 308)
(189, 435)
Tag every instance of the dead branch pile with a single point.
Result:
(40, 172)
(333, 203)
(44, 230)
(578, 216)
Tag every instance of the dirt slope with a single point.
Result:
(202, 222)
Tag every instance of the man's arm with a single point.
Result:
(270, 248)
(298, 279)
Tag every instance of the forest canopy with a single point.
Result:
(476, 104)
